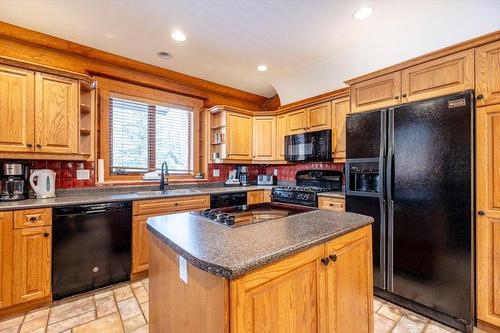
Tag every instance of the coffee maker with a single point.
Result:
(242, 174)
(14, 181)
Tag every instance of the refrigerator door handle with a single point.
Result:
(390, 154)
(383, 257)
(390, 245)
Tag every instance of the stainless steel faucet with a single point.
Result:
(164, 172)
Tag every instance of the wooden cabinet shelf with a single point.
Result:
(84, 108)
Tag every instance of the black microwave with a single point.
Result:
(310, 146)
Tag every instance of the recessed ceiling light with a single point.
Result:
(164, 55)
(363, 13)
(262, 68)
(178, 36)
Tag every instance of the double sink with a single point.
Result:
(169, 192)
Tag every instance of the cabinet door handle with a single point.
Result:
(481, 213)
(403, 95)
(333, 257)
(29, 145)
(325, 261)
(396, 97)
(480, 96)
(46, 234)
(38, 145)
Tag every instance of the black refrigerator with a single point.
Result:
(411, 168)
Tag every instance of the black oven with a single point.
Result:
(310, 146)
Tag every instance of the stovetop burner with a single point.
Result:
(308, 184)
(237, 216)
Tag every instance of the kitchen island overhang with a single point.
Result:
(205, 276)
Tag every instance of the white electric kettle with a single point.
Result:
(43, 183)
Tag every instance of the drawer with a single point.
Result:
(32, 218)
(331, 203)
(159, 206)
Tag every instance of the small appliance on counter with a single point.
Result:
(43, 183)
(266, 180)
(308, 183)
(14, 181)
(233, 179)
(242, 172)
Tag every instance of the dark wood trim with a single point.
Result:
(272, 103)
(468, 44)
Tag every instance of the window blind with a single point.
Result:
(144, 135)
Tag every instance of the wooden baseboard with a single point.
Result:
(487, 327)
(15, 310)
(139, 276)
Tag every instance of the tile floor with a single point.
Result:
(124, 308)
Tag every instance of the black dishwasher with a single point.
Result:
(91, 247)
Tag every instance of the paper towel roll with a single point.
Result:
(100, 170)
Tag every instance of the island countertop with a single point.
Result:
(232, 252)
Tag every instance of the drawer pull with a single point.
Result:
(46, 234)
(33, 218)
(333, 257)
(325, 261)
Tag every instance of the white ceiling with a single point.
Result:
(310, 47)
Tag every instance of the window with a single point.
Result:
(144, 134)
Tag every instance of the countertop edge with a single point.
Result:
(273, 257)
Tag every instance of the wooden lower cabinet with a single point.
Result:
(330, 203)
(6, 244)
(488, 214)
(144, 209)
(299, 294)
(254, 197)
(32, 269)
(267, 195)
(349, 283)
(283, 297)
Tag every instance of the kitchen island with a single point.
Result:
(310, 272)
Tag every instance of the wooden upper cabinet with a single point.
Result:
(32, 255)
(447, 75)
(488, 73)
(281, 132)
(488, 217)
(57, 114)
(238, 136)
(16, 109)
(319, 117)
(297, 122)
(264, 138)
(283, 297)
(340, 109)
(380, 92)
(6, 243)
(349, 283)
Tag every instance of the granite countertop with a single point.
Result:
(334, 194)
(91, 197)
(230, 253)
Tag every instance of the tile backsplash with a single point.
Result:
(66, 172)
(286, 172)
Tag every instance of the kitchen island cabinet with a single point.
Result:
(312, 274)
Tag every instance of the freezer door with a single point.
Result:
(364, 135)
(430, 216)
(374, 207)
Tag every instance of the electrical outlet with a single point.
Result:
(83, 174)
(275, 172)
(216, 172)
